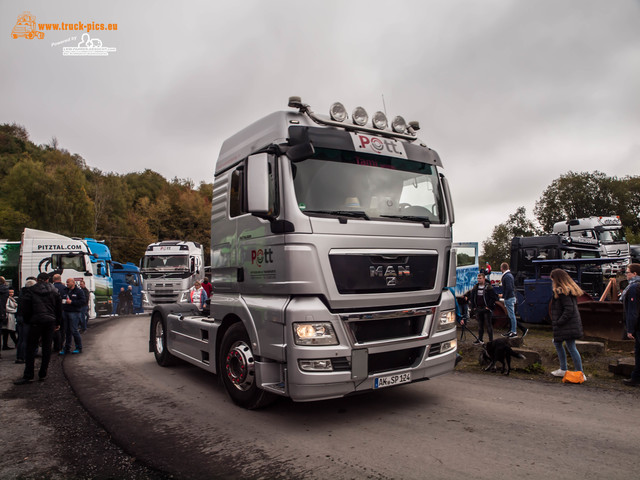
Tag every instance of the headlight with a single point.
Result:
(338, 112)
(447, 320)
(399, 125)
(360, 116)
(322, 365)
(448, 346)
(184, 298)
(317, 333)
(379, 120)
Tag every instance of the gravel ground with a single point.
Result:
(46, 434)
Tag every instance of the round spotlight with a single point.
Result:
(399, 125)
(360, 116)
(379, 120)
(337, 112)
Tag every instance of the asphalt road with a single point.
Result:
(180, 421)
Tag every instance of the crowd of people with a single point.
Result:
(563, 309)
(47, 315)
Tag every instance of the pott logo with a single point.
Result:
(384, 146)
(258, 257)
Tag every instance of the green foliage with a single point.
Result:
(497, 248)
(50, 189)
(535, 368)
(578, 195)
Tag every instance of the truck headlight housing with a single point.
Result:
(447, 320)
(184, 297)
(314, 333)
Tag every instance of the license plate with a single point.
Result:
(389, 380)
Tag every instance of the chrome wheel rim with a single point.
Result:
(240, 366)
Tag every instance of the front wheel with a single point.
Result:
(237, 370)
(159, 339)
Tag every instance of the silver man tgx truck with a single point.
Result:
(330, 258)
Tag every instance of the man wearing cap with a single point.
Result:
(42, 311)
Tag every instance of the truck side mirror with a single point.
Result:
(258, 183)
(447, 198)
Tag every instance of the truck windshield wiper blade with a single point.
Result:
(342, 213)
(411, 218)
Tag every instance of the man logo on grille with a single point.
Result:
(390, 273)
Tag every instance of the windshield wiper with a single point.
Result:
(342, 213)
(411, 218)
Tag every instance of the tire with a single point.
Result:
(237, 370)
(159, 341)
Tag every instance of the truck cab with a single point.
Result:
(607, 231)
(169, 269)
(330, 261)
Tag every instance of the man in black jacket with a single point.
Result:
(482, 300)
(42, 311)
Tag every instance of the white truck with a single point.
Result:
(47, 252)
(330, 255)
(607, 231)
(169, 269)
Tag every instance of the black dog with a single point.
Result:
(498, 351)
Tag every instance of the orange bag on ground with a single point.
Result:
(573, 377)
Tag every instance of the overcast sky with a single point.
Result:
(512, 94)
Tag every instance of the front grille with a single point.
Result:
(386, 329)
(435, 349)
(388, 361)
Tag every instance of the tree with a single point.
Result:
(497, 248)
(575, 195)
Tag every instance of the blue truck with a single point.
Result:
(127, 275)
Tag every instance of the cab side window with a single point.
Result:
(237, 205)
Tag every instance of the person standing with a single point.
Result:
(631, 302)
(85, 308)
(565, 320)
(509, 295)
(42, 311)
(21, 327)
(121, 301)
(207, 286)
(59, 335)
(10, 330)
(128, 309)
(72, 303)
(198, 295)
(482, 300)
(4, 294)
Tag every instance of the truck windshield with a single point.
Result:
(165, 262)
(68, 261)
(612, 236)
(339, 182)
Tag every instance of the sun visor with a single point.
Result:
(344, 140)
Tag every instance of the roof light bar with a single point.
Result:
(379, 122)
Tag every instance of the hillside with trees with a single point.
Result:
(48, 188)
